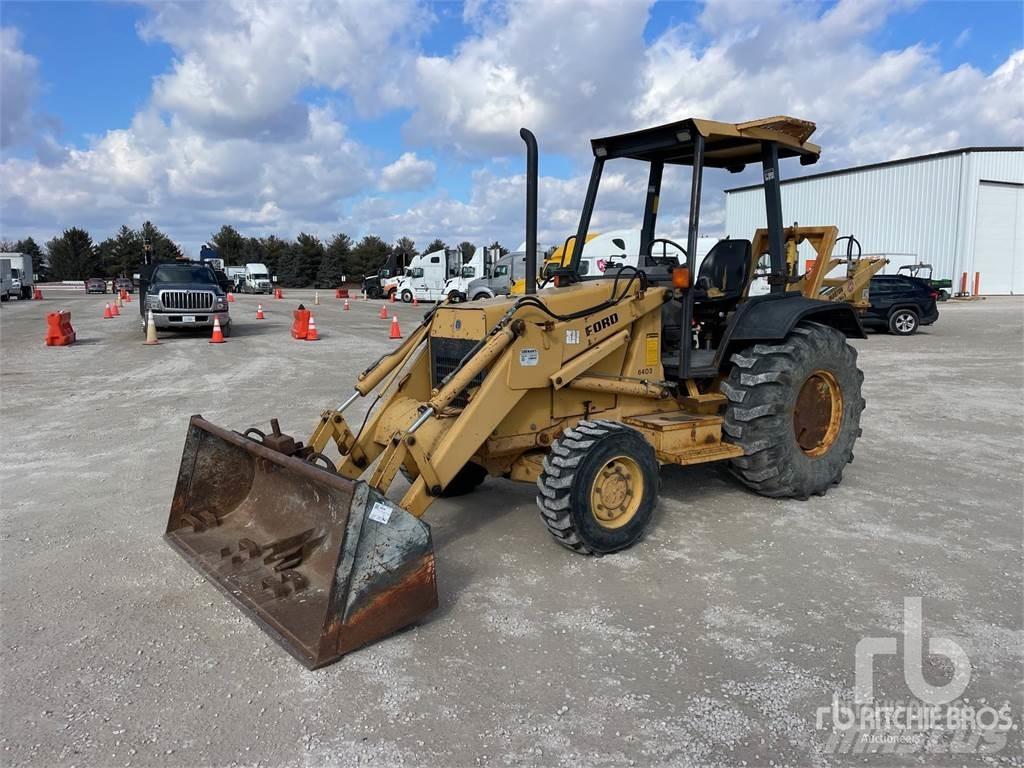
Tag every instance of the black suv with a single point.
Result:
(900, 304)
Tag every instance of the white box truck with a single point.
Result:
(5, 279)
(21, 275)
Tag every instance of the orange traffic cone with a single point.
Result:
(114, 311)
(107, 314)
(218, 334)
(383, 312)
(391, 296)
(311, 334)
(37, 295)
(346, 304)
(259, 311)
(396, 332)
(415, 302)
(231, 297)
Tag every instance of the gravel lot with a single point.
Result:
(712, 642)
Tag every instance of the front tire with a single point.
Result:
(903, 322)
(598, 487)
(407, 297)
(795, 409)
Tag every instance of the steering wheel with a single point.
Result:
(665, 258)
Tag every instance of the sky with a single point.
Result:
(401, 118)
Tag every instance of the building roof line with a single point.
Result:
(883, 164)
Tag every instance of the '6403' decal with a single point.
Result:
(603, 323)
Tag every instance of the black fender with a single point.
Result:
(770, 318)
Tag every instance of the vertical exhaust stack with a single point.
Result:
(531, 210)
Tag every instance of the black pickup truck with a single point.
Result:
(183, 295)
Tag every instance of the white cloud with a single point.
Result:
(20, 123)
(242, 66)
(742, 63)
(567, 70)
(407, 172)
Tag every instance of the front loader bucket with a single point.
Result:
(324, 564)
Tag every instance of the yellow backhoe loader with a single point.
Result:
(584, 388)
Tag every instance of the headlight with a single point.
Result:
(220, 306)
(152, 301)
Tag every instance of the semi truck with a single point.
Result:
(257, 279)
(384, 282)
(482, 262)
(426, 275)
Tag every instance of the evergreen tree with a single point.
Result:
(164, 249)
(72, 255)
(369, 254)
(436, 245)
(302, 263)
(502, 250)
(31, 247)
(253, 252)
(231, 246)
(105, 252)
(336, 263)
(405, 251)
(274, 251)
(467, 249)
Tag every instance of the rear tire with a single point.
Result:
(598, 487)
(795, 410)
(904, 322)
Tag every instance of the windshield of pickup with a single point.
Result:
(183, 273)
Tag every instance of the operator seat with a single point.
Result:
(722, 278)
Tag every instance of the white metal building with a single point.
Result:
(961, 211)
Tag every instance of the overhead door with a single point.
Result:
(999, 238)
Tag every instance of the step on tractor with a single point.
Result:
(584, 388)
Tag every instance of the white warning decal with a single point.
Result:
(571, 336)
(529, 357)
(380, 513)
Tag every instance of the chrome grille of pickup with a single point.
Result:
(186, 299)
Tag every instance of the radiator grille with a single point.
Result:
(186, 299)
(445, 356)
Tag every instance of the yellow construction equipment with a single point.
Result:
(584, 388)
(560, 257)
(817, 281)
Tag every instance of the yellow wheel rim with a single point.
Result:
(617, 492)
(818, 413)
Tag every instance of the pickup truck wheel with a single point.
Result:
(407, 296)
(226, 329)
(903, 322)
